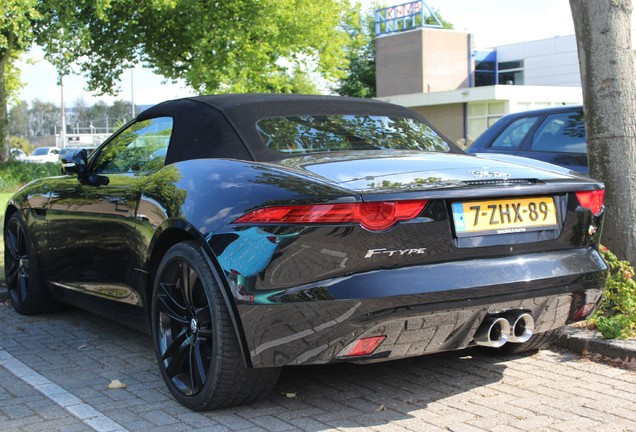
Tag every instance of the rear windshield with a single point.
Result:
(327, 133)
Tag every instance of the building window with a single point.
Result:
(485, 73)
(485, 68)
(510, 72)
(481, 116)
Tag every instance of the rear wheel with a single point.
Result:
(195, 343)
(537, 341)
(25, 288)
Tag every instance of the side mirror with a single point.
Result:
(75, 163)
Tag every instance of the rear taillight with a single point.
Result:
(374, 216)
(592, 200)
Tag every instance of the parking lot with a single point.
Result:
(55, 371)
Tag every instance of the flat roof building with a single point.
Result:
(460, 90)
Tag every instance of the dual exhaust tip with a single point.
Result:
(511, 327)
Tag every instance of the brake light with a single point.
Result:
(374, 216)
(592, 200)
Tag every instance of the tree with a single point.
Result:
(120, 111)
(230, 46)
(360, 74)
(43, 118)
(606, 61)
(15, 37)
(19, 120)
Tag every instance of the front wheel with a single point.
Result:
(25, 288)
(195, 343)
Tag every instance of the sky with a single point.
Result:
(492, 23)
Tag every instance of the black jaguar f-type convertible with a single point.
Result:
(250, 232)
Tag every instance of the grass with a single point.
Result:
(4, 197)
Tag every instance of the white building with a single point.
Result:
(462, 91)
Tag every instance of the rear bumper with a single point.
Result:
(421, 309)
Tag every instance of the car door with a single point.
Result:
(560, 139)
(94, 246)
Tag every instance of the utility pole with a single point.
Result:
(132, 93)
(63, 131)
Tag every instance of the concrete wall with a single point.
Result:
(448, 119)
(422, 60)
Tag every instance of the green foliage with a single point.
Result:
(616, 316)
(229, 46)
(360, 78)
(13, 175)
(21, 143)
(16, 37)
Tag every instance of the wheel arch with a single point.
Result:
(11, 209)
(179, 233)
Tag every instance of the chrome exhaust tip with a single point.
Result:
(493, 332)
(521, 327)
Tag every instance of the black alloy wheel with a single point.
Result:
(21, 271)
(184, 327)
(196, 346)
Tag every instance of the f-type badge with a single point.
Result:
(395, 252)
(482, 174)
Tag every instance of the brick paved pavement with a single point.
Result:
(72, 356)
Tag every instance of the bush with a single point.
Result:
(13, 174)
(616, 316)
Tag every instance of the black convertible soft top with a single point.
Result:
(224, 126)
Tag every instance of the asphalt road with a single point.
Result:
(55, 370)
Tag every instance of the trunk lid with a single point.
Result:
(374, 172)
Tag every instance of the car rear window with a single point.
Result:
(327, 133)
(513, 135)
(561, 133)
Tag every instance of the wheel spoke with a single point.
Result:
(25, 265)
(23, 282)
(168, 305)
(12, 271)
(203, 315)
(188, 279)
(198, 374)
(176, 362)
(175, 344)
(12, 244)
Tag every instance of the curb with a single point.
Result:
(583, 341)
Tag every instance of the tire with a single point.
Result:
(195, 342)
(26, 291)
(536, 342)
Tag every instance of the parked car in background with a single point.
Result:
(555, 135)
(67, 152)
(251, 232)
(44, 154)
(18, 154)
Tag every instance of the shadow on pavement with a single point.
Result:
(83, 353)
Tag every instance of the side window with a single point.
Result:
(139, 148)
(561, 133)
(513, 135)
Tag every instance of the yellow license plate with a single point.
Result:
(504, 216)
